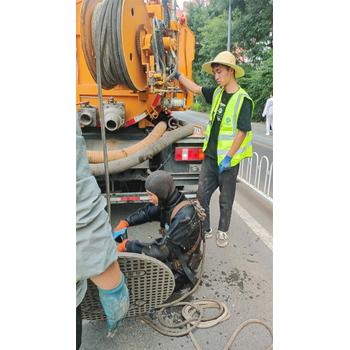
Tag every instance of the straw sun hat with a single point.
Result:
(225, 58)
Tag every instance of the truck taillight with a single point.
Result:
(188, 154)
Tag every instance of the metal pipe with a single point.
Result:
(229, 27)
(86, 118)
(177, 34)
(118, 166)
(101, 112)
(155, 45)
(114, 116)
(173, 10)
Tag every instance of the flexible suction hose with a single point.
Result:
(120, 165)
(156, 133)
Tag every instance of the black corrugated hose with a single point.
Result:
(105, 27)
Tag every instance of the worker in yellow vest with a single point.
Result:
(228, 137)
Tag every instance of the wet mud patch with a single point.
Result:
(237, 278)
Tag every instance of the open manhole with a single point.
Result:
(150, 284)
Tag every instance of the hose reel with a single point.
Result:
(120, 55)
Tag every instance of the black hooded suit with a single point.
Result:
(179, 235)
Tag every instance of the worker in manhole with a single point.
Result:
(96, 254)
(179, 246)
(228, 138)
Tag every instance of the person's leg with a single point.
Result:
(227, 185)
(267, 125)
(208, 183)
(79, 327)
(271, 122)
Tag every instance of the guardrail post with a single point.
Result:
(245, 174)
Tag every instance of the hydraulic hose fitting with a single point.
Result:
(114, 113)
(87, 116)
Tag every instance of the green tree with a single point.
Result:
(258, 81)
(251, 36)
(252, 29)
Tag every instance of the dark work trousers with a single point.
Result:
(209, 181)
(79, 327)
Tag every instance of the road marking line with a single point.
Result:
(266, 145)
(263, 234)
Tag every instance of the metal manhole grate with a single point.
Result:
(150, 283)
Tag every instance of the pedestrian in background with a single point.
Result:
(228, 137)
(268, 114)
(96, 251)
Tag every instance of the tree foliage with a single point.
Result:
(251, 37)
(258, 83)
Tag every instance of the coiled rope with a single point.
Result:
(191, 321)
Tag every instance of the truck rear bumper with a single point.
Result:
(140, 197)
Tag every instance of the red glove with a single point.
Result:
(121, 247)
(122, 224)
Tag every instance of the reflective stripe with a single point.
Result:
(226, 137)
(222, 152)
(241, 150)
(236, 109)
(213, 111)
(217, 91)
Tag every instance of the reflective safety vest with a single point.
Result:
(228, 126)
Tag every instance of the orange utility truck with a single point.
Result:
(128, 52)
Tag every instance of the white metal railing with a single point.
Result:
(254, 180)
